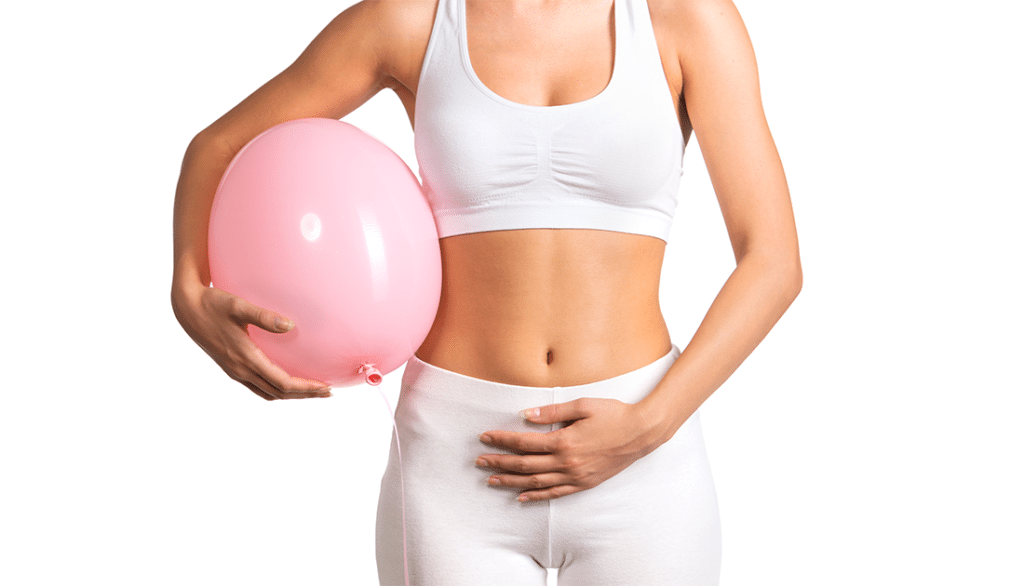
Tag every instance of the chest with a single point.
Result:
(512, 138)
(544, 55)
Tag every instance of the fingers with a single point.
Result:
(533, 475)
(264, 389)
(540, 476)
(536, 487)
(248, 365)
(576, 457)
(535, 481)
(520, 464)
(527, 442)
(548, 493)
(247, 313)
(559, 412)
(217, 321)
(274, 381)
(541, 486)
(251, 367)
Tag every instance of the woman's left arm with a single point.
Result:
(722, 97)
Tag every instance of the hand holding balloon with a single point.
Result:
(321, 222)
(217, 321)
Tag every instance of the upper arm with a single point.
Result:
(354, 57)
(723, 101)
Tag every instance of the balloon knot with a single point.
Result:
(373, 376)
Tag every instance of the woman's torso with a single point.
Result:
(545, 307)
(548, 307)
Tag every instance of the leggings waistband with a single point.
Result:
(629, 387)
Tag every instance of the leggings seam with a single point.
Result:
(551, 559)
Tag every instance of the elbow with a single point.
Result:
(789, 272)
(791, 275)
(794, 275)
(207, 140)
(782, 273)
(784, 258)
(796, 281)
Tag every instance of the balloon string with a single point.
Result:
(401, 477)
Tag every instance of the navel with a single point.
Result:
(551, 356)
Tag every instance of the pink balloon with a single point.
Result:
(322, 223)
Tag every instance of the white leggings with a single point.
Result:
(653, 524)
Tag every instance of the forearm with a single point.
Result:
(752, 300)
(202, 167)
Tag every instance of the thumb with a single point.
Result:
(264, 318)
(557, 413)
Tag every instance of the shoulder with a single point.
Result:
(690, 15)
(400, 31)
(403, 18)
(698, 29)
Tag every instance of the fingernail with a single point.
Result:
(481, 462)
(485, 438)
(530, 413)
(283, 324)
(494, 481)
(523, 498)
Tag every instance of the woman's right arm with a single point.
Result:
(367, 47)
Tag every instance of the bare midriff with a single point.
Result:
(548, 307)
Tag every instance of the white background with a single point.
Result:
(873, 438)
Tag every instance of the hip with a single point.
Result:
(441, 413)
(448, 410)
(656, 522)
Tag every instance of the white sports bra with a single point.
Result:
(611, 162)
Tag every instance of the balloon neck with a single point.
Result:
(373, 376)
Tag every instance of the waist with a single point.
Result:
(548, 308)
(432, 383)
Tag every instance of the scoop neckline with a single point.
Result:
(467, 63)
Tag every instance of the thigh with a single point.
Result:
(453, 536)
(656, 523)
(458, 531)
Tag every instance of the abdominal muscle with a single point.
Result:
(548, 307)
